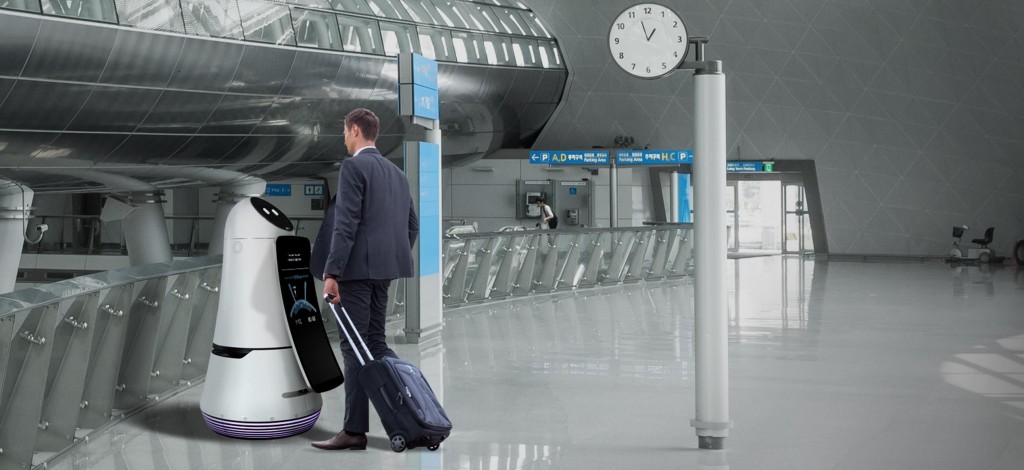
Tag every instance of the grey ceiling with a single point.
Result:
(912, 109)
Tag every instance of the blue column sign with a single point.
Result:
(430, 208)
(684, 198)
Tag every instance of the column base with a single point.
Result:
(426, 337)
(713, 443)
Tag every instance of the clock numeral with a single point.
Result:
(621, 25)
(662, 14)
(647, 11)
(663, 66)
(632, 14)
(675, 54)
(634, 66)
(675, 24)
(648, 70)
(622, 56)
(616, 40)
(679, 39)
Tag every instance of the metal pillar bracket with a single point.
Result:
(210, 288)
(27, 336)
(117, 313)
(80, 325)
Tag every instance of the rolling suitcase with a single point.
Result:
(406, 404)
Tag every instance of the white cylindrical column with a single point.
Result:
(15, 210)
(613, 194)
(673, 215)
(145, 232)
(710, 261)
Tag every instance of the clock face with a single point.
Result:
(648, 40)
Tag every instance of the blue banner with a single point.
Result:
(569, 157)
(653, 157)
(424, 72)
(430, 208)
(425, 102)
(684, 198)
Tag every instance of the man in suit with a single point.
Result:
(371, 230)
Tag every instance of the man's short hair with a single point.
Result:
(540, 200)
(366, 121)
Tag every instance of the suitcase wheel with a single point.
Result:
(433, 447)
(398, 443)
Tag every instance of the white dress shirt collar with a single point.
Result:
(361, 149)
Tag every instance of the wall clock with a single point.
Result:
(648, 40)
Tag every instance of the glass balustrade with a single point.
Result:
(79, 355)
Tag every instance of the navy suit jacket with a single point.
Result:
(369, 230)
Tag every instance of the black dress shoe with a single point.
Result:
(342, 440)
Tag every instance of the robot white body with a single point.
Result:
(254, 388)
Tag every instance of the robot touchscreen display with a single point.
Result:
(305, 325)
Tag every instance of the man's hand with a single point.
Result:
(331, 291)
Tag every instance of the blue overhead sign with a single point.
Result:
(424, 72)
(653, 157)
(278, 189)
(417, 89)
(416, 100)
(569, 157)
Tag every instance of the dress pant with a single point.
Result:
(366, 302)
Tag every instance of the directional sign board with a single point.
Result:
(749, 167)
(569, 157)
(653, 157)
(417, 89)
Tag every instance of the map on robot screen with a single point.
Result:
(301, 311)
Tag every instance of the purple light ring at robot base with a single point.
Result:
(263, 429)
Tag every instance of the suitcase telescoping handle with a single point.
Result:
(345, 329)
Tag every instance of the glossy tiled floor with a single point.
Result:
(833, 366)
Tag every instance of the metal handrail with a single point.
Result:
(479, 267)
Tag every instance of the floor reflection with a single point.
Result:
(832, 365)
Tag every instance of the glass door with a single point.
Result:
(795, 225)
(732, 217)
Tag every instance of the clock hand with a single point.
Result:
(652, 34)
(645, 30)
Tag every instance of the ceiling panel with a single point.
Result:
(204, 150)
(146, 149)
(114, 110)
(289, 115)
(206, 64)
(70, 51)
(142, 58)
(20, 148)
(262, 70)
(237, 114)
(312, 75)
(5, 87)
(42, 105)
(89, 147)
(18, 37)
(180, 112)
(45, 182)
(253, 150)
(357, 77)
